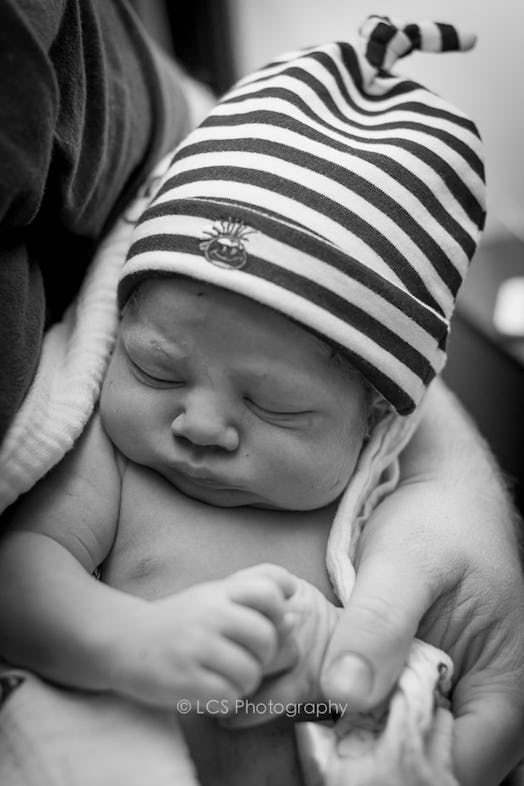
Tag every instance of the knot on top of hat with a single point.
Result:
(387, 39)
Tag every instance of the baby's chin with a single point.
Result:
(229, 497)
(217, 496)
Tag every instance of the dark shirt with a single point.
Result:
(88, 104)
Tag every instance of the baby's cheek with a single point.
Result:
(333, 479)
(322, 473)
(111, 410)
(117, 414)
(341, 460)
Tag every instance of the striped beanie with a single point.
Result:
(346, 197)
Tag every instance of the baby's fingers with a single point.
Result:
(239, 670)
(281, 577)
(252, 630)
(264, 588)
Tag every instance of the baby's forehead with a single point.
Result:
(191, 297)
(241, 318)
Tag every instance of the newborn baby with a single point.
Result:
(285, 304)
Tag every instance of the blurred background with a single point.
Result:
(219, 41)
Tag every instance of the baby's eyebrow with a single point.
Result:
(169, 351)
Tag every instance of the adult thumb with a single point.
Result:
(371, 642)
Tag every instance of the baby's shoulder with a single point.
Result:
(77, 502)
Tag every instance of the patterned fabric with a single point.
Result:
(345, 197)
(389, 40)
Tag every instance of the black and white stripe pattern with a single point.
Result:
(390, 39)
(345, 197)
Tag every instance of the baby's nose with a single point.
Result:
(205, 423)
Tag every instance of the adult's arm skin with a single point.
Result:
(450, 573)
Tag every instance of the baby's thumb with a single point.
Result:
(371, 642)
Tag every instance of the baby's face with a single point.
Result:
(230, 401)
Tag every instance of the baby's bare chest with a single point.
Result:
(166, 542)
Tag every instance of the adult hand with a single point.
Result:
(440, 559)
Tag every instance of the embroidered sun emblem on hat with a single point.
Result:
(225, 245)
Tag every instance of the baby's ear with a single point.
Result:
(377, 407)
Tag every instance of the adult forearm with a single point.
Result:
(448, 448)
(446, 432)
(55, 618)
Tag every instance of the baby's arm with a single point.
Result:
(56, 618)
(211, 641)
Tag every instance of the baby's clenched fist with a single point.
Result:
(213, 641)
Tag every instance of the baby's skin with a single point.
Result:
(276, 423)
(225, 435)
(168, 567)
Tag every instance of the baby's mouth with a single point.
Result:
(201, 477)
